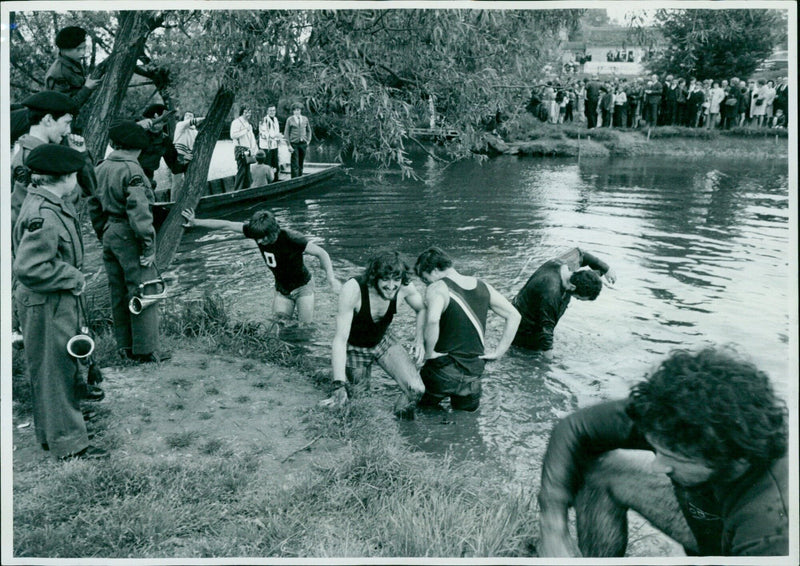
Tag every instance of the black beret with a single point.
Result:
(129, 134)
(70, 37)
(154, 109)
(50, 101)
(54, 159)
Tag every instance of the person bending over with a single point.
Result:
(545, 297)
(698, 449)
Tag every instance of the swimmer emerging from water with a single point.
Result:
(283, 252)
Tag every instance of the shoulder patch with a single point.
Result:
(136, 181)
(35, 224)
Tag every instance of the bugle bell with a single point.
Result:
(149, 293)
(81, 346)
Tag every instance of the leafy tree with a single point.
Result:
(365, 76)
(717, 43)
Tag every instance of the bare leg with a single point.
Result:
(399, 365)
(282, 307)
(618, 481)
(305, 308)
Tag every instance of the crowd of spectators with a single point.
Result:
(651, 101)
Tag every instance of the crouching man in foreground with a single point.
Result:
(706, 463)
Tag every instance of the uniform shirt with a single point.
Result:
(462, 327)
(123, 192)
(68, 76)
(543, 300)
(48, 244)
(745, 517)
(20, 174)
(297, 129)
(284, 257)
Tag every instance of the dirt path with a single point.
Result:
(198, 403)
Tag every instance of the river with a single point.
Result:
(700, 247)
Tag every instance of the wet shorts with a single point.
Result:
(360, 359)
(301, 291)
(443, 377)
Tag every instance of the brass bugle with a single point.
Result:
(80, 346)
(137, 304)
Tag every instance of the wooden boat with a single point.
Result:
(219, 193)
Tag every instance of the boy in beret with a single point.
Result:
(159, 145)
(50, 117)
(67, 73)
(47, 266)
(123, 220)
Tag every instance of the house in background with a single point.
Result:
(608, 50)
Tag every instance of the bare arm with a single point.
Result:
(325, 263)
(502, 307)
(210, 223)
(437, 298)
(414, 300)
(348, 301)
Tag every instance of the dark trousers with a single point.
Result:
(652, 113)
(591, 113)
(243, 177)
(272, 161)
(621, 116)
(298, 157)
(139, 332)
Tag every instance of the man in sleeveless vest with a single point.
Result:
(455, 327)
(367, 305)
(47, 266)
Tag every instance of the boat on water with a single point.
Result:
(219, 193)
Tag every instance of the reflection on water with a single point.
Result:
(700, 249)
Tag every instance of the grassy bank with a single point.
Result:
(223, 452)
(531, 137)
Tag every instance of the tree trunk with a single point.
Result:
(196, 177)
(102, 109)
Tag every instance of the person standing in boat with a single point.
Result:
(298, 133)
(269, 134)
(283, 252)
(244, 148)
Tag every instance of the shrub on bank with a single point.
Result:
(681, 132)
(753, 132)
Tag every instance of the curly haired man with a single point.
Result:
(698, 449)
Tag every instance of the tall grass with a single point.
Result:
(377, 498)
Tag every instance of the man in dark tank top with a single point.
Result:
(455, 325)
(367, 305)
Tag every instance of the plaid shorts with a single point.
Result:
(361, 358)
